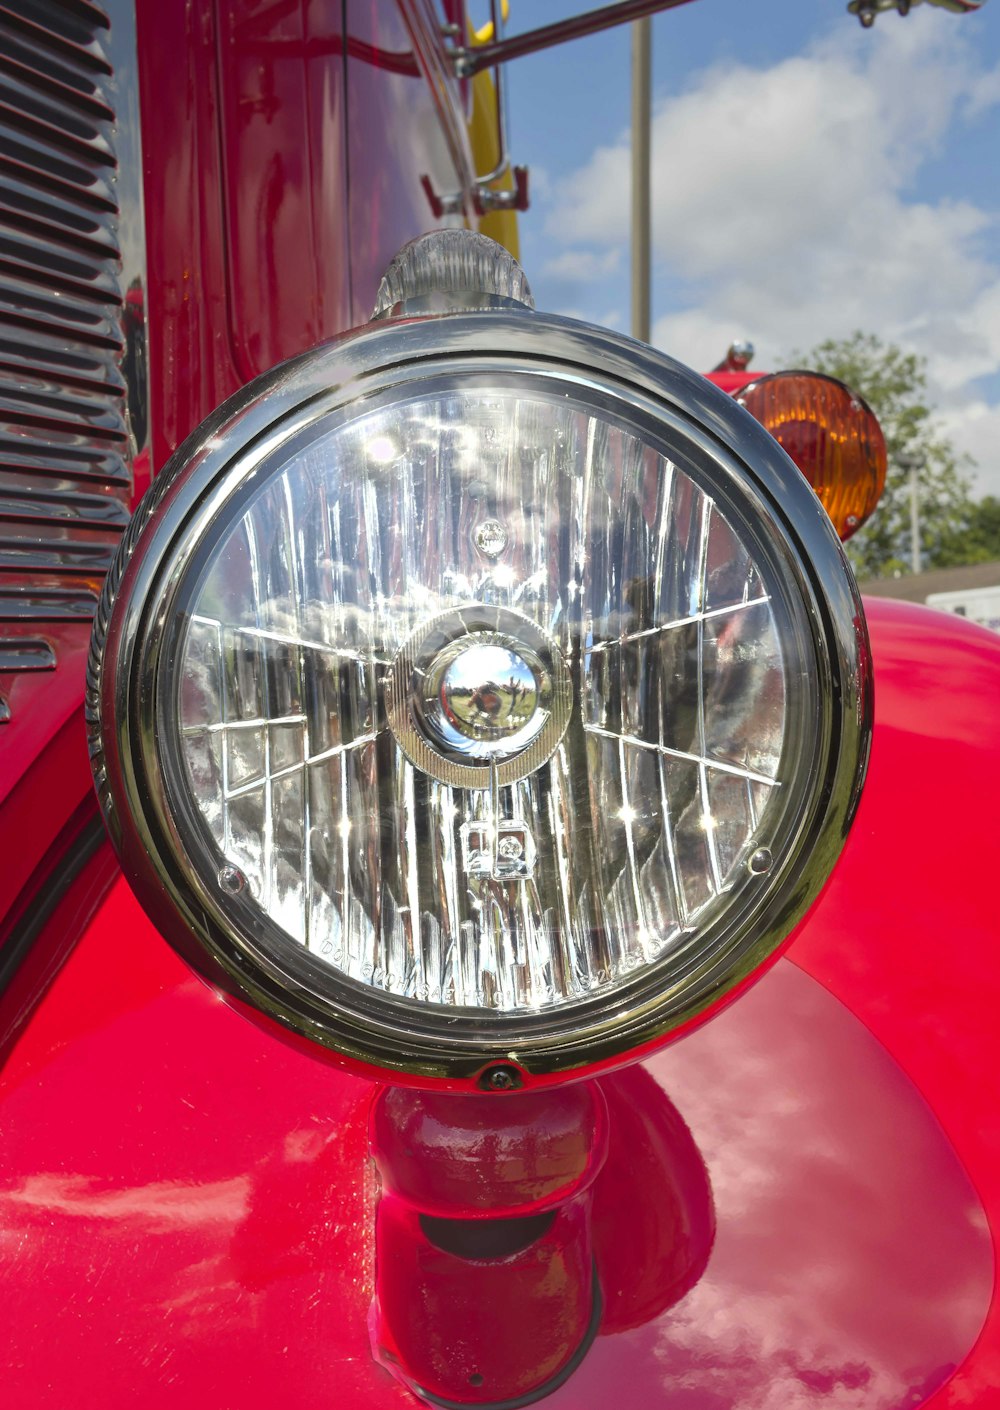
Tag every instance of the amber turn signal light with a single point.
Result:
(831, 434)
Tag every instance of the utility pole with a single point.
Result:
(642, 48)
(913, 462)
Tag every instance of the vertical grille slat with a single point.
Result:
(67, 330)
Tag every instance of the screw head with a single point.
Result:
(510, 848)
(231, 880)
(490, 537)
(761, 861)
(500, 1078)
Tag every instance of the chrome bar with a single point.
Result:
(486, 56)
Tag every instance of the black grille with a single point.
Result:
(65, 456)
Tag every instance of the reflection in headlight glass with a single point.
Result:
(628, 836)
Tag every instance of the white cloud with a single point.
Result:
(787, 208)
(584, 265)
(610, 318)
(699, 336)
(809, 1300)
(984, 92)
(541, 182)
(974, 429)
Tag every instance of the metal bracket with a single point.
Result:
(487, 198)
(467, 62)
(502, 849)
(451, 204)
(868, 11)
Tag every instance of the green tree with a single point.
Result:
(894, 383)
(977, 540)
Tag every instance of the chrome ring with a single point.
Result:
(422, 718)
(158, 835)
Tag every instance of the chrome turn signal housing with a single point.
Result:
(480, 688)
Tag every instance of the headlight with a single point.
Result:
(480, 689)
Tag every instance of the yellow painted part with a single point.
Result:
(484, 35)
(484, 140)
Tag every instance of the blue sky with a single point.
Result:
(810, 178)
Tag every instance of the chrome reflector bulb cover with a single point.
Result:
(489, 653)
(479, 696)
(486, 690)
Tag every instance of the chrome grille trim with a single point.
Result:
(26, 654)
(73, 382)
(57, 605)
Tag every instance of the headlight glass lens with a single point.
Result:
(489, 700)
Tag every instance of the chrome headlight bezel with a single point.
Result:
(136, 633)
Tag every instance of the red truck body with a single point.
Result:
(797, 1207)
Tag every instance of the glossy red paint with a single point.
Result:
(652, 1251)
(486, 1287)
(284, 159)
(732, 382)
(906, 933)
(198, 1222)
(190, 350)
(49, 790)
(398, 83)
(478, 1306)
(503, 1154)
(120, 1167)
(188, 1206)
(27, 967)
(41, 702)
(477, 1329)
(255, 124)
